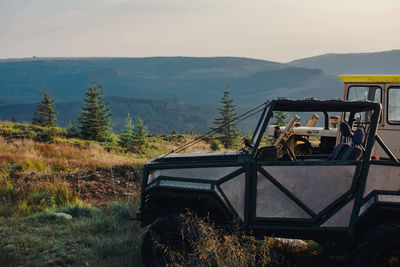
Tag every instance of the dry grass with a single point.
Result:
(82, 168)
(212, 246)
(25, 155)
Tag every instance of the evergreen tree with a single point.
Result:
(95, 116)
(225, 127)
(45, 114)
(73, 131)
(280, 118)
(139, 135)
(127, 139)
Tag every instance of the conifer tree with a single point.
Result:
(225, 126)
(45, 114)
(127, 139)
(280, 118)
(139, 134)
(95, 116)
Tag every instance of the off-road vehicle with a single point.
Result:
(349, 197)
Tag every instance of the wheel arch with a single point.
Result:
(380, 213)
(159, 203)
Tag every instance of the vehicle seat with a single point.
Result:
(355, 151)
(340, 148)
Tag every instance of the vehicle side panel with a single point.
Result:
(311, 183)
(382, 177)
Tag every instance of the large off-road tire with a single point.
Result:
(163, 242)
(379, 247)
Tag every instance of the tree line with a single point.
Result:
(95, 118)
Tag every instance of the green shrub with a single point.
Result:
(174, 138)
(73, 131)
(214, 145)
(119, 210)
(27, 165)
(29, 134)
(7, 193)
(40, 200)
(33, 165)
(207, 138)
(47, 197)
(46, 135)
(15, 169)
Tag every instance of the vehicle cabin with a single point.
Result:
(384, 89)
(321, 137)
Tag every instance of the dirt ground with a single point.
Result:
(94, 187)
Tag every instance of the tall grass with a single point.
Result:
(213, 246)
(26, 155)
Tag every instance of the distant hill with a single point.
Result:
(193, 80)
(387, 62)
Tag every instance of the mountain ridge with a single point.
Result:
(194, 80)
(382, 62)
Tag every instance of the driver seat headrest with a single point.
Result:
(345, 129)
(358, 137)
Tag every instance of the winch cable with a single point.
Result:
(237, 119)
(198, 139)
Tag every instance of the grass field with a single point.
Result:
(43, 174)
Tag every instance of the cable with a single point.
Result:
(195, 141)
(236, 120)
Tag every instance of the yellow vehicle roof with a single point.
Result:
(370, 78)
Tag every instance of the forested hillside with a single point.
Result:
(168, 93)
(160, 116)
(193, 80)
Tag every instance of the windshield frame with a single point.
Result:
(260, 129)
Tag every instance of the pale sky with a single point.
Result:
(279, 30)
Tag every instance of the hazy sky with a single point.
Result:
(279, 30)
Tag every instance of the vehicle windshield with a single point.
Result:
(362, 93)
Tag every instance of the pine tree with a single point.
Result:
(127, 139)
(73, 131)
(280, 118)
(225, 126)
(95, 116)
(45, 114)
(139, 135)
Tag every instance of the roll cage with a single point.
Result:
(324, 106)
